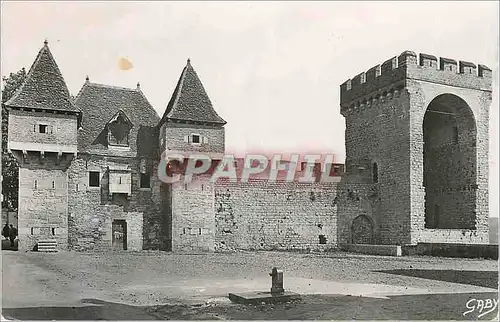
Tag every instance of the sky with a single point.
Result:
(271, 69)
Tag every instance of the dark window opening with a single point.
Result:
(199, 231)
(375, 173)
(336, 170)
(195, 139)
(32, 230)
(436, 216)
(36, 184)
(94, 179)
(53, 231)
(145, 181)
(455, 134)
(42, 128)
(53, 184)
(322, 239)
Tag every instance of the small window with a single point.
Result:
(53, 184)
(322, 239)
(145, 180)
(336, 170)
(375, 172)
(36, 184)
(195, 138)
(42, 128)
(199, 231)
(94, 178)
(32, 230)
(53, 231)
(455, 134)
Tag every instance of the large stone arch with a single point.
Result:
(362, 230)
(449, 163)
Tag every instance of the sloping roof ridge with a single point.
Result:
(29, 74)
(150, 106)
(179, 91)
(174, 98)
(80, 92)
(113, 87)
(46, 49)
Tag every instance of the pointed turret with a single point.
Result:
(190, 101)
(44, 87)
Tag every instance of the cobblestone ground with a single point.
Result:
(158, 285)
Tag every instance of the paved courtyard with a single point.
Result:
(159, 285)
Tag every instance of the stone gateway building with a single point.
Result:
(416, 166)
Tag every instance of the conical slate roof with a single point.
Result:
(44, 87)
(190, 102)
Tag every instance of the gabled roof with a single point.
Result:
(190, 102)
(44, 87)
(100, 103)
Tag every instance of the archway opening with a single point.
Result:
(362, 230)
(450, 161)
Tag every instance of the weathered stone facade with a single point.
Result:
(416, 166)
(428, 167)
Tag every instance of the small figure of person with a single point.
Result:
(6, 231)
(12, 235)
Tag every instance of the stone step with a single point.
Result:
(47, 246)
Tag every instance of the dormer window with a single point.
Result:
(118, 130)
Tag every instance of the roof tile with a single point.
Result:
(44, 87)
(190, 101)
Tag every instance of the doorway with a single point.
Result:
(119, 232)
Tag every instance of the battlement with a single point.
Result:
(391, 76)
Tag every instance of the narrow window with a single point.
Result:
(375, 173)
(53, 231)
(195, 138)
(32, 230)
(36, 184)
(145, 181)
(94, 179)
(77, 187)
(53, 184)
(455, 134)
(42, 128)
(199, 231)
(119, 180)
(183, 231)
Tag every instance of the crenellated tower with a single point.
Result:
(417, 134)
(43, 127)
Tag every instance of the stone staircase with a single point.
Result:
(47, 246)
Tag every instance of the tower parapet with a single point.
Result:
(391, 76)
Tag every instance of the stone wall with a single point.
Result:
(61, 130)
(92, 209)
(262, 215)
(378, 133)
(43, 205)
(173, 137)
(192, 219)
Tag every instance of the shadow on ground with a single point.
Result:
(311, 307)
(477, 278)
